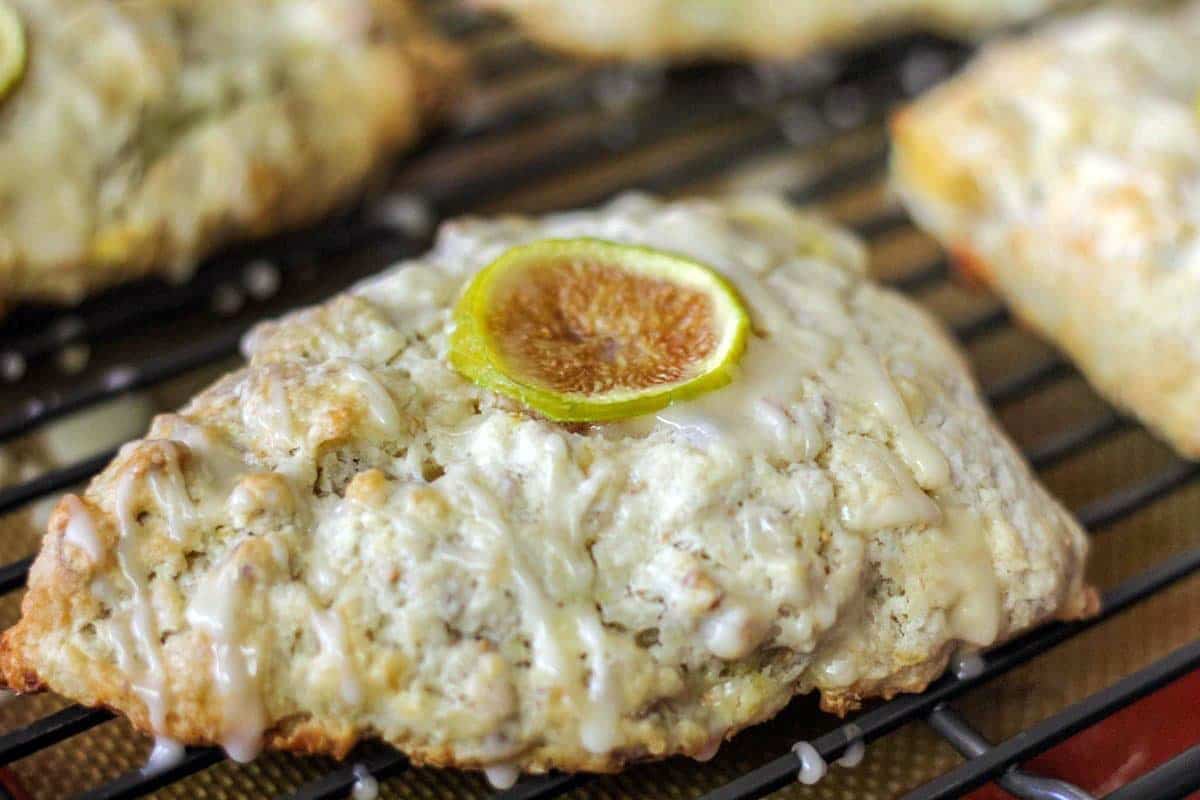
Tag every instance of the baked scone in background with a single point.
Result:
(1062, 170)
(698, 29)
(348, 539)
(145, 134)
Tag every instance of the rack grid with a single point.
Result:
(540, 122)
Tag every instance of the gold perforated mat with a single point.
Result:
(895, 763)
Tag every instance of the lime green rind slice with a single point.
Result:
(476, 354)
(12, 50)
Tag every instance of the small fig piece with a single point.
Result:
(584, 330)
(12, 50)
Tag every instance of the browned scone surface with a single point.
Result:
(346, 539)
(146, 134)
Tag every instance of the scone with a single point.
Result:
(1061, 170)
(698, 29)
(142, 135)
(349, 539)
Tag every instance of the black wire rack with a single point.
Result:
(593, 115)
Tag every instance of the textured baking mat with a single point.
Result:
(698, 159)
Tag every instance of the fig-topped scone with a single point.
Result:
(566, 492)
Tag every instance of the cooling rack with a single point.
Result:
(539, 133)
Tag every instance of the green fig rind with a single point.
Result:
(477, 356)
(13, 51)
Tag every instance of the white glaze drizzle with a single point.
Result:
(170, 491)
(217, 605)
(558, 631)
(889, 497)
(216, 610)
(332, 636)
(812, 766)
(733, 632)
(80, 531)
(271, 418)
(762, 410)
(927, 462)
(502, 776)
(976, 613)
(855, 748)
(966, 666)
(282, 412)
(379, 402)
(860, 372)
(222, 464)
(598, 729)
(840, 671)
(854, 754)
(148, 677)
(166, 754)
(366, 787)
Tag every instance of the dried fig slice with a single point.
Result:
(585, 330)
(12, 49)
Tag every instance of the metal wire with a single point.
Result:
(49, 730)
(700, 100)
(139, 783)
(1060, 726)
(970, 743)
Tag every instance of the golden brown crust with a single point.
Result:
(909, 680)
(916, 678)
